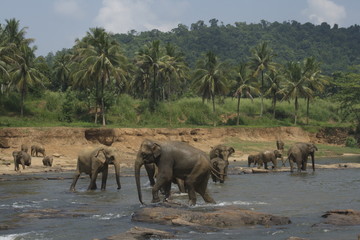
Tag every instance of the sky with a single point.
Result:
(56, 24)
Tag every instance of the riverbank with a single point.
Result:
(64, 144)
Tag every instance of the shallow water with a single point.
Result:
(86, 215)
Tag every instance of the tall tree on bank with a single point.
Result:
(210, 79)
(296, 85)
(245, 85)
(102, 60)
(261, 61)
(274, 90)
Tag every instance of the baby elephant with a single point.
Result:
(268, 156)
(48, 161)
(35, 149)
(218, 168)
(21, 157)
(253, 159)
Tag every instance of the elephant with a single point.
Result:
(268, 156)
(35, 149)
(223, 152)
(218, 169)
(299, 153)
(48, 161)
(94, 161)
(280, 146)
(21, 157)
(253, 158)
(152, 171)
(175, 160)
(24, 148)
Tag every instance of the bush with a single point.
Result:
(351, 142)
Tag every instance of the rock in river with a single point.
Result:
(219, 217)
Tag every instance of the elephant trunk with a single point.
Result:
(117, 174)
(138, 163)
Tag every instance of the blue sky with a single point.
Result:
(55, 24)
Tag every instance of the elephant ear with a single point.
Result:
(231, 150)
(156, 149)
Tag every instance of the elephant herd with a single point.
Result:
(171, 162)
(23, 158)
(298, 153)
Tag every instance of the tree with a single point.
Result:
(210, 79)
(101, 61)
(260, 62)
(296, 85)
(274, 90)
(23, 72)
(245, 85)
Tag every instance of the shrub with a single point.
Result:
(351, 142)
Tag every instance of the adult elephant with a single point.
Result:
(222, 151)
(280, 146)
(94, 161)
(299, 152)
(21, 157)
(36, 149)
(175, 160)
(268, 156)
(218, 169)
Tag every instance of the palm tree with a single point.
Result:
(62, 70)
(245, 85)
(296, 84)
(209, 78)
(260, 62)
(102, 60)
(274, 89)
(314, 80)
(23, 72)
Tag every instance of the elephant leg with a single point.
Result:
(181, 185)
(299, 166)
(76, 177)
(291, 162)
(22, 163)
(93, 176)
(150, 170)
(166, 188)
(104, 176)
(283, 161)
(160, 183)
(201, 188)
(265, 165)
(274, 161)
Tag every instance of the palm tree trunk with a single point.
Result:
(213, 102)
(22, 103)
(238, 111)
(296, 109)
(102, 101)
(307, 110)
(262, 95)
(274, 105)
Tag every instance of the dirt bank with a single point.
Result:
(66, 143)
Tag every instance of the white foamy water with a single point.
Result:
(13, 236)
(108, 216)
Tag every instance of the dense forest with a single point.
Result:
(149, 73)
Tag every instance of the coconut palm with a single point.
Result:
(260, 62)
(101, 61)
(245, 85)
(274, 90)
(210, 79)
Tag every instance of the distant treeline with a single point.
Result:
(336, 48)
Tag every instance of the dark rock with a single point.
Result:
(226, 217)
(342, 217)
(139, 233)
(4, 143)
(297, 238)
(104, 136)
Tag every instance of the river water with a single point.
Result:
(86, 215)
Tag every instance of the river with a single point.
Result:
(40, 206)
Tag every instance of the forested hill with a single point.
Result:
(336, 48)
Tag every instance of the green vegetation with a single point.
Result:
(266, 74)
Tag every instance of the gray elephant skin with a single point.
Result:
(299, 152)
(175, 160)
(151, 170)
(218, 169)
(280, 146)
(268, 156)
(24, 148)
(222, 151)
(36, 149)
(253, 158)
(21, 157)
(48, 161)
(92, 162)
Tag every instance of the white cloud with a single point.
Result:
(320, 11)
(121, 16)
(68, 8)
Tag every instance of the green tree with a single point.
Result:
(245, 85)
(261, 61)
(101, 61)
(274, 90)
(210, 78)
